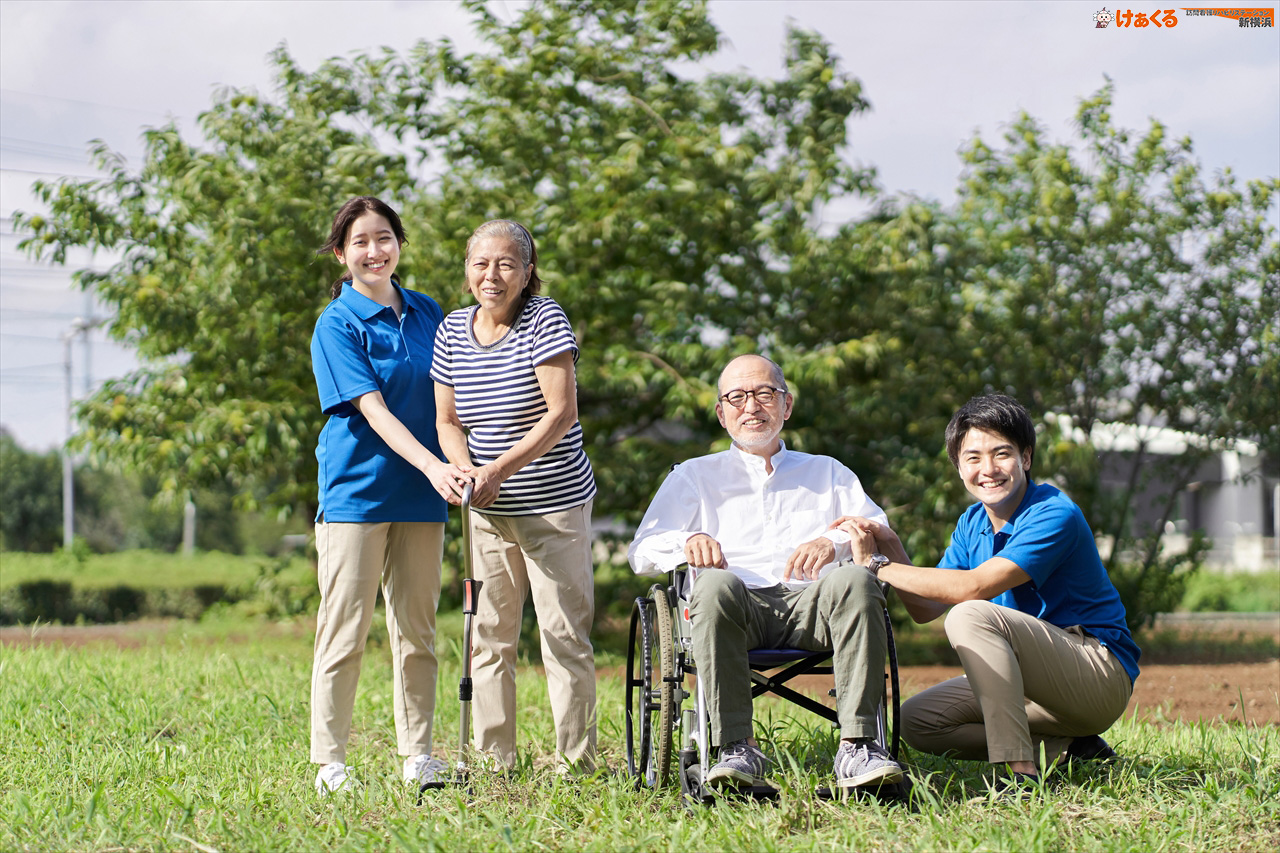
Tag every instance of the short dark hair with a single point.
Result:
(998, 413)
(345, 218)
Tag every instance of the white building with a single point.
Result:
(1232, 495)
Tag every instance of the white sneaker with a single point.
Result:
(333, 778)
(425, 770)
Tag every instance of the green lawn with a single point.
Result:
(194, 737)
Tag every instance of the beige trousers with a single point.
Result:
(1027, 684)
(405, 557)
(549, 555)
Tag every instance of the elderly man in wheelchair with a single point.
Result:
(751, 523)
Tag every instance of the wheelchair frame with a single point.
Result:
(660, 653)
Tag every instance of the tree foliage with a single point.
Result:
(30, 498)
(114, 511)
(216, 287)
(1103, 281)
(1122, 287)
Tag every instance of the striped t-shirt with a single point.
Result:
(498, 401)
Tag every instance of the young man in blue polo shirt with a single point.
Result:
(1040, 630)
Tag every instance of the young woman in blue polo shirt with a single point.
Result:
(383, 491)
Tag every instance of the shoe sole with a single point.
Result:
(1070, 762)
(877, 777)
(1023, 795)
(736, 778)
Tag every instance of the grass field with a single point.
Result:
(193, 736)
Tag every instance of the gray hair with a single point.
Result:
(509, 229)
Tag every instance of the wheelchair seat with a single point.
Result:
(773, 658)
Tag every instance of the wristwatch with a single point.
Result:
(876, 563)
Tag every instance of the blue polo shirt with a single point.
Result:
(360, 346)
(1049, 539)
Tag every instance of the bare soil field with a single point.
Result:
(1184, 692)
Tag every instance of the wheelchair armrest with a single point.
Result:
(681, 582)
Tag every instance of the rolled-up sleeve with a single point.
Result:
(673, 516)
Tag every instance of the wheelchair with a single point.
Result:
(660, 654)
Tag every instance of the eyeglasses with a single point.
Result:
(764, 396)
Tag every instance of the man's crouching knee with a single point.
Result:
(966, 616)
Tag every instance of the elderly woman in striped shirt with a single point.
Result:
(507, 412)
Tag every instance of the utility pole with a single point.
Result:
(86, 350)
(68, 486)
(79, 326)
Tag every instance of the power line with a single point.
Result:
(47, 172)
(27, 380)
(41, 338)
(43, 97)
(39, 315)
(57, 365)
(38, 146)
(34, 272)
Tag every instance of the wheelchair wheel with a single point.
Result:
(650, 708)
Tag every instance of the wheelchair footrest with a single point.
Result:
(754, 792)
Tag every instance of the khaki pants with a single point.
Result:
(1027, 684)
(843, 611)
(549, 555)
(405, 557)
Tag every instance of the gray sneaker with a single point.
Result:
(740, 764)
(864, 763)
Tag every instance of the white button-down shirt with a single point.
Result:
(758, 518)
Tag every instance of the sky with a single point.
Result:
(936, 74)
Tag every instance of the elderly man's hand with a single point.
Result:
(807, 560)
(703, 552)
(862, 544)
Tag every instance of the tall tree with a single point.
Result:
(1107, 282)
(667, 208)
(217, 289)
(30, 498)
(1121, 286)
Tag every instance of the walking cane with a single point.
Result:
(470, 596)
(470, 600)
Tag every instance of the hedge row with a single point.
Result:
(59, 601)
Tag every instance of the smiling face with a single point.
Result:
(994, 472)
(497, 277)
(753, 426)
(370, 254)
